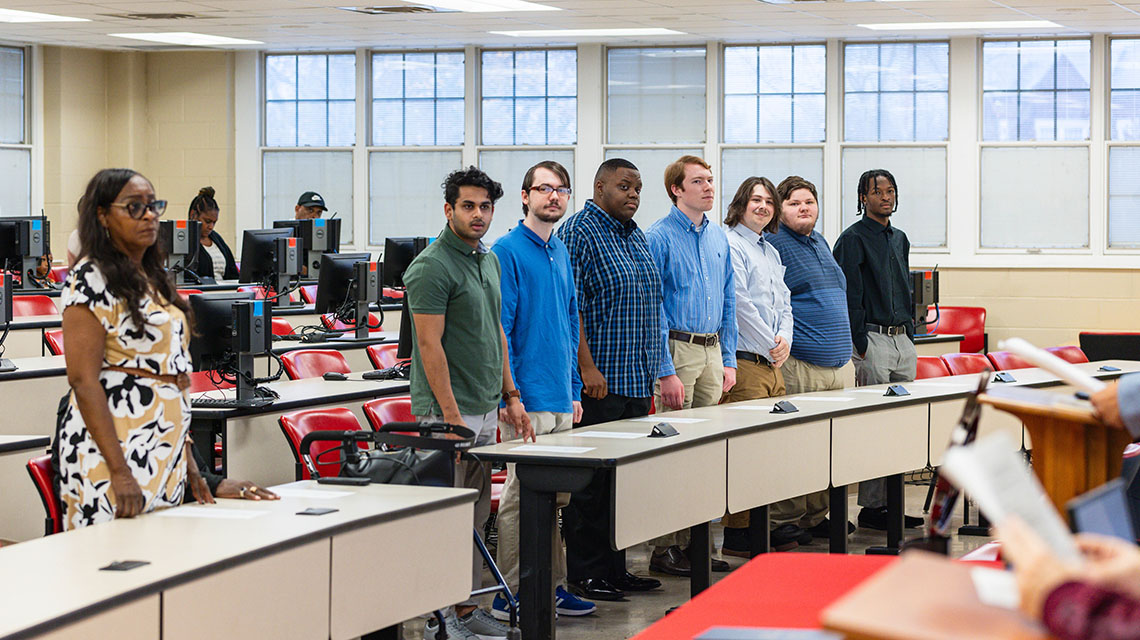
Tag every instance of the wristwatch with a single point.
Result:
(513, 393)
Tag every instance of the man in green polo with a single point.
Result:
(460, 367)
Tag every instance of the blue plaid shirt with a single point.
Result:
(619, 296)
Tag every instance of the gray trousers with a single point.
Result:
(888, 359)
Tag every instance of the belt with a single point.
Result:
(890, 331)
(753, 357)
(182, 380)
(703, 339)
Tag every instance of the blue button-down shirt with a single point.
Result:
(619, 296)
(763, 302)
(540, 319)
(1128, 397)
(819, 298)
(696, 282)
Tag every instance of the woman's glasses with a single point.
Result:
(138, 209)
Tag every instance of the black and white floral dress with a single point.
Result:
(152, 418)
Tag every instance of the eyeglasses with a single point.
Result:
(546, 190)
(138, 209)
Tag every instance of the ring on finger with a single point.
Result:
(241, 494)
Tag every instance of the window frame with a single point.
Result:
(370, 98)
(479, 95)
(263, 97)
(721, 95)
(27, 143)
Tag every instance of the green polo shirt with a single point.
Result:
(450, 278)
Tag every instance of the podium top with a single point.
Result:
(1023, 401)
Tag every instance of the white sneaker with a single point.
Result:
(483, 625)
(455, 629)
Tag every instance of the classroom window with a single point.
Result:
(530, 97)
(15, 160)
(1035, 197)
(406, 192)
(1035, 90)
(920, 173)
(417, 99)
(1124, 95)
(896, 92)
(288, 174)
(1124, 197)
(655, 96)
(773, 163)
(12, 117)
(310, 100)
(774, 94)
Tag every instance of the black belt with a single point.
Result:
(890, 331)
(753, 357)
(703, 339)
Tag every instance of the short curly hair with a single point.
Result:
(470, 177)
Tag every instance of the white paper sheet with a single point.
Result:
(874, 391)
(308, 494)
(752, 407)
(616, 435)
(664, 418)
(824, 398)
(996, 587)
(212, 512)
(542, 448)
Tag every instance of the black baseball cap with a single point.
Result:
(312, 199)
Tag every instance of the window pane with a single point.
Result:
(530, 73)
(1036, 68)
(281, 124)
(1073, 64)
(562, 71)
(419, 75)
(288, 174)
(342, 77)
(342, 123)
(449, 75)
(508, 168)
(896, 67)
(281, 77)
(312, 124)
(1035, 197)
(861, 67)
(419, 122)
(999, 116)
(774, 164)
(387, 75)
(1124, 197)
(1051, 98)
(999, 66)
(312, 77)
(809, 118)
(740, 119)
(921, 177)
(11, 95)
(1125, 64)
(1125, 115)
(1037, 117)
(1073, 115)
(498, 121)
(406, 198)
(1124, 97)
(656, 95)
(897, 116)
(498, 73)
(931, 115)
(423, 93)
(882, 95)
(449, 122)
(811, 69)
(931, 66)
(787, 76)
(16, 183)
(775, 119)
(530, 118)
(861, 122)
(562, 120)
(388, 122)
(775, 64)
(740, 66)
(655, 203)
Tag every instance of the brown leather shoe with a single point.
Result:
(672, 561)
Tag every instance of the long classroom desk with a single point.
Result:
(274, 575)
(19, 501)
(741, 456)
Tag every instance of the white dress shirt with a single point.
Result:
(763, 301)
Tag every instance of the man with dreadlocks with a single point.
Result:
(874, 255)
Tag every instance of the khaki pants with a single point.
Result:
(753, 381)
(507, 520)
(803, 377)
(888, 359)
(701, 370)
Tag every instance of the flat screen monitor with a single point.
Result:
(211, 344)
(258, 255)
(334, 288)
(398, 254)
(315, 235)
(24, 238)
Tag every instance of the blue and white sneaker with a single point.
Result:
(567, 604)
(499, 608)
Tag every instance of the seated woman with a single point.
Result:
(122, 439)
(215, 260)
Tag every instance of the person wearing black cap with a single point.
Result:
(310, 206)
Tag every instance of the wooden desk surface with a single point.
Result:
(55, 580)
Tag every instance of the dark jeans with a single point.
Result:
(586, 520)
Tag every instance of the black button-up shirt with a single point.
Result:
(876, 260)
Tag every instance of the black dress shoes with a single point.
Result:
(595, 589)
(823, 529)
(671, 561)
(719, 566)
(876, 518)
(630, 582)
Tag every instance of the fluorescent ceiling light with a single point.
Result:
(482, 6)
(12, 15)
(995, 24)
(588, 33)
(186, 38)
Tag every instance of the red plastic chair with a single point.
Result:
(968, 321)
(53, 338)
(1004, 360)
(200, 381)
(39, 468)
(186, 293)
(1069, 353)
(309, 294)
(298, 424)
(58, 274)
(281, 327)
(964, 363)
(393, 293)
(931, 367)
(336, 325)
(381, 411)
(33, 305)
(383, 356)
(313, 363)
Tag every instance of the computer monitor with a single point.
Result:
(211, 344)
(5, 317)
(23, 241)
(345, 289)
(398, 254)
(259, 259)
(317, 237)
(182, 239)
(924, 289)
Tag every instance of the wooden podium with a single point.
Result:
(1073, 451)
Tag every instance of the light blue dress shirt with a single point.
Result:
(763, 301)
(698, 294)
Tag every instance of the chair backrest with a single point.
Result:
(298, 424)
(968, 321)
(281, 327)
(39, 468)
(257, 290)
(383, 355)
(1003, 360)
(931, 367)
(381, 411)
(309, 294)
(313, 363)
(200, 381)
(53, 338)
(1110, 345)
(963, 363)
(58, 274)
(186, 293)
(1069, 353)
(33, 305)
(333, 324)
(396, 294)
